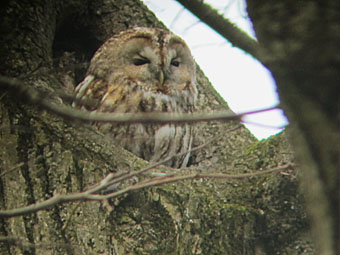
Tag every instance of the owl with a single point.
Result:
(143, 70)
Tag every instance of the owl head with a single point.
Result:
(155, 59)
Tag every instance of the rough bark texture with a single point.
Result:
(302, 39)
(47, 44)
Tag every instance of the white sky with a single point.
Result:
(242, 81)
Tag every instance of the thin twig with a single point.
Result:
(130, 175)
(223, 26)
(17, 166)
(105, 183)
(176, 18)
(177, 178)
(88, 195)
(36, 97)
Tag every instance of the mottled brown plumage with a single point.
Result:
(144, 70)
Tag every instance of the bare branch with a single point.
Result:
(106, 183)
(89, 194)
(153, 166)
(223, 26)
(176, 178)
(176, 17)
(16, 167)
(36, 97)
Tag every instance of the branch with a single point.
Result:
(223, 26)
(111, 180)
(176, 178)
(17, 166)
(35, 97)
(105, 183)
(153, 166)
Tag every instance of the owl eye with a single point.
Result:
(175, 63)
(140, 61)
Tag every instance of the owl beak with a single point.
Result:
(161, 78)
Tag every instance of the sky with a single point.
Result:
(240, 79)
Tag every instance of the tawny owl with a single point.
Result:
(144, 70)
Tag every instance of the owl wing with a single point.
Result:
(97, 95)
(89, 93)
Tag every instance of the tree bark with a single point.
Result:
(47, 45)
(302, 39)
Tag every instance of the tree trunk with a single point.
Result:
(302, 40)
(47, 45)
